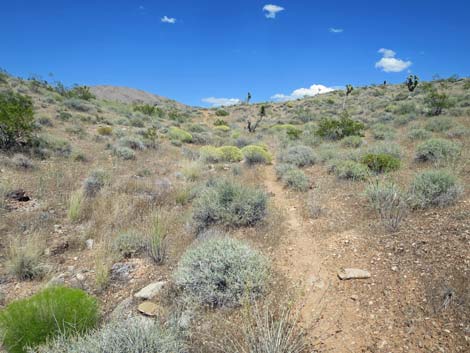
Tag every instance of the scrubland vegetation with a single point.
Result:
(99, 198)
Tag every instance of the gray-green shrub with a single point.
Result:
(221, 271)
(94, 183)
(347, 169)
(124, 152)
(437, 150)
(299, 156)
(296, 179)
(419, 134)
(439, 124)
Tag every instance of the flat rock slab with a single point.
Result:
(149, 308)
(353, 273)
(150, 291)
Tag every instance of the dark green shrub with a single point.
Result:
(381, 163)
(230, 204)
(16, 119)
(221, 271)
(221, 112)
(437, 102)
(52, 312)
(220, 122)
(146, 109)
(434, 188)
(336, 129)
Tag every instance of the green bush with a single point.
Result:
(221, 112)
(381, 163)
(231, 154)
(133, 335)
(437, 150)
(78, 105)
(16, 119)
(437, 102)
(52, 312)
(292, 131)
(418, 134)
(383, 132)
(439, 124)
(127, 244)
(296, 179)
(299, 155)
(220, 122)
(59, 146)
(345, 169)
(352, 141)
(222, 128)
(210, 154)
(105, 130)
(392, 149)
(230, 204)
(178, 134)
(337, 129)
(255, 154)
(222, 272)
(434, 188)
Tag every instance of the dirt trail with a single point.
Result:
(301, 258)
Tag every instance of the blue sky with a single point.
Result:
(192, 50)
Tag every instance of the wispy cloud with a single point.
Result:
(272, 10)
(166, 19)
(389, 63)
(141, 8)
(336, 30)
(302, 92)
(218, 102)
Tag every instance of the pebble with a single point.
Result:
(353, 273)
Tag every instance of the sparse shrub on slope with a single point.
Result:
(296, 179)
(299, 155)
(52, 312)
(24, 259)
(336, 129)
(46, 142)
(437, 102)
(94, 183)
(221, 272)
(230, 204)
(437, 150)
(346, 169)
(16, 119)
(352, 141)
(439, 124)
(210, 154)
(132, 142)
(133, 335)
(178, 134)
(105, 130)
(419, 134)
(435, 188)
(292, 131)
(392, 149)
(255, 154)
(124, 152)
(20, 161)
(383, 132)
(127, 244)
(231, 154)
(221, 112)
(381, 163)
(78, 105)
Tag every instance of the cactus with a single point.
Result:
(412, 82)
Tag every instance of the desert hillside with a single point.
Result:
(334, 223)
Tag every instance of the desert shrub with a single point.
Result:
(458, 131)
(292, 131)
(389, 202)
(20, 161)
(299, 155)
(221, 112)
(132, 143)
(210, 154)
(405, 108)
(346, 169)
(74, 212)
(79, 156)
(439, 124)
(133, 335)
(352, 141)
(283, 168)
(327, 152)
(255, 154)
(336, 129)
(220, 122)
(230, 204)
(437, 102)
(221, 272)
(392, 149)
(381, 163)
(178, 134)
(418, 134)
(105, 130)
(45, 121)
(401, 120)
(197, 128)
(137, 121)
(24, 259)
(127, 244)
(64, 116)
(437, 150)
(16, 119)
(52, 312)
(383, 132)
(146, 109)
(94, 183)
(296, 179)
(434, 188)
(125, 153)
(231, 154)
(243, 141)
(59, 146)
(222, 128)
(77, 104)
(274, 329)
(157, 241)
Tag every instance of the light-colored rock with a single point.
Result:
(89, 244)
(150, 291)
(149, 308)
(353, 273)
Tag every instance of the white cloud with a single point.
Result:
(166, 19)
(272, 10)
(389, 63)
(336, 30)
(141, 8)
(302, 92)
(217, 102)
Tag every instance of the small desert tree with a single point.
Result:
(262, 113)
(437, 102)
(16, 119)
(412, 82)
(248, 98)
(349, 89)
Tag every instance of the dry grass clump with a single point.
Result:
(25, 258)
